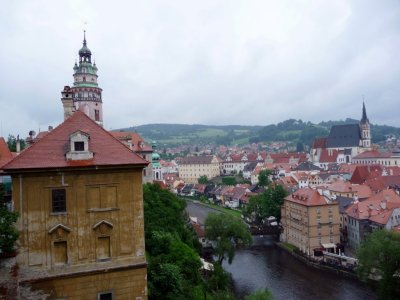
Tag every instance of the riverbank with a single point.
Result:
(316, 265)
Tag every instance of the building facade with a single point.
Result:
(310, 221)
(78, 192)
(191, 168)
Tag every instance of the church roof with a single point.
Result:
(50, 151)
(348, 135)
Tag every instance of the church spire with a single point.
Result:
(364, 118)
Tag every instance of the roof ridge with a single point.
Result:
(18, 157)
(59, 136)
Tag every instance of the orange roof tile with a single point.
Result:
(377, 208)
(5, 154)
(50, 150)
(138, 143)
(307, 197)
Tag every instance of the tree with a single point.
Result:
(170, 245)
(8, 233)
(226, 232)
(203, 179)
(379, 257)
(260, 295)
(267, 204)
(12, 143)
(165, 282)
(263, 177)
(228, 180)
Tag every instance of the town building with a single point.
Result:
(191, 168)
(136, 143)
(382, 210)
(310, 221)
(373, 157)
(343, 142)
(78, 192)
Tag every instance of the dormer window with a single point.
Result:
(79, 146)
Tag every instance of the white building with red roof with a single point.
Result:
(379, 211)
(374, 157)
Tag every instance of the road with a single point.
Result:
(199, 211)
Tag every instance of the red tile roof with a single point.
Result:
(138, 143)
(307, 197)
(383, 182)
(319, 143)
(377, 208)
(50, 150)
(341, 186)
(328, 156)
(5, 154)
(373, 154)
(362, 173)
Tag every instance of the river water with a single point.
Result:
(264, 265)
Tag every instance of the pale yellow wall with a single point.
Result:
(114, 196)
(190, 173)
(123, 284)
(301, 229)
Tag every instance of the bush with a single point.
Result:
(8, 233)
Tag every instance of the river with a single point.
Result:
(264, 265)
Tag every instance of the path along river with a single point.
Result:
(264, 265)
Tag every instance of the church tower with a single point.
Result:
(85, 94)
(365, 129)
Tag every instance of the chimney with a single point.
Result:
(50, 128)
(18, 145)
(67, 101)
(383, 204)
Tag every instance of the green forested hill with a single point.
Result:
(291, 130)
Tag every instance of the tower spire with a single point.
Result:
(364, 118)
(84, 37)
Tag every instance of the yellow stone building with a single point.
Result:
(310, 221)
(78, 191)
(191, 168)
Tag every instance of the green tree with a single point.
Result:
(12, 143)
(171, 246)
(203, 179)
(267, 204)
(260, 295)
(263, 177)
(165, 282)
(228, 180)
(8, 233)
(379, 257)
(226, 232)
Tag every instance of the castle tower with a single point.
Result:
(365, 129)
(85, 94)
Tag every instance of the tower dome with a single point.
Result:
(85, 94)
(84, 53)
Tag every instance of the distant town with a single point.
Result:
(77, 190)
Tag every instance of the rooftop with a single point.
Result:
(50, 151)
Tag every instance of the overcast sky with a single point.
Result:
(205, 62)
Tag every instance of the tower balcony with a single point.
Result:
(87, 99)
